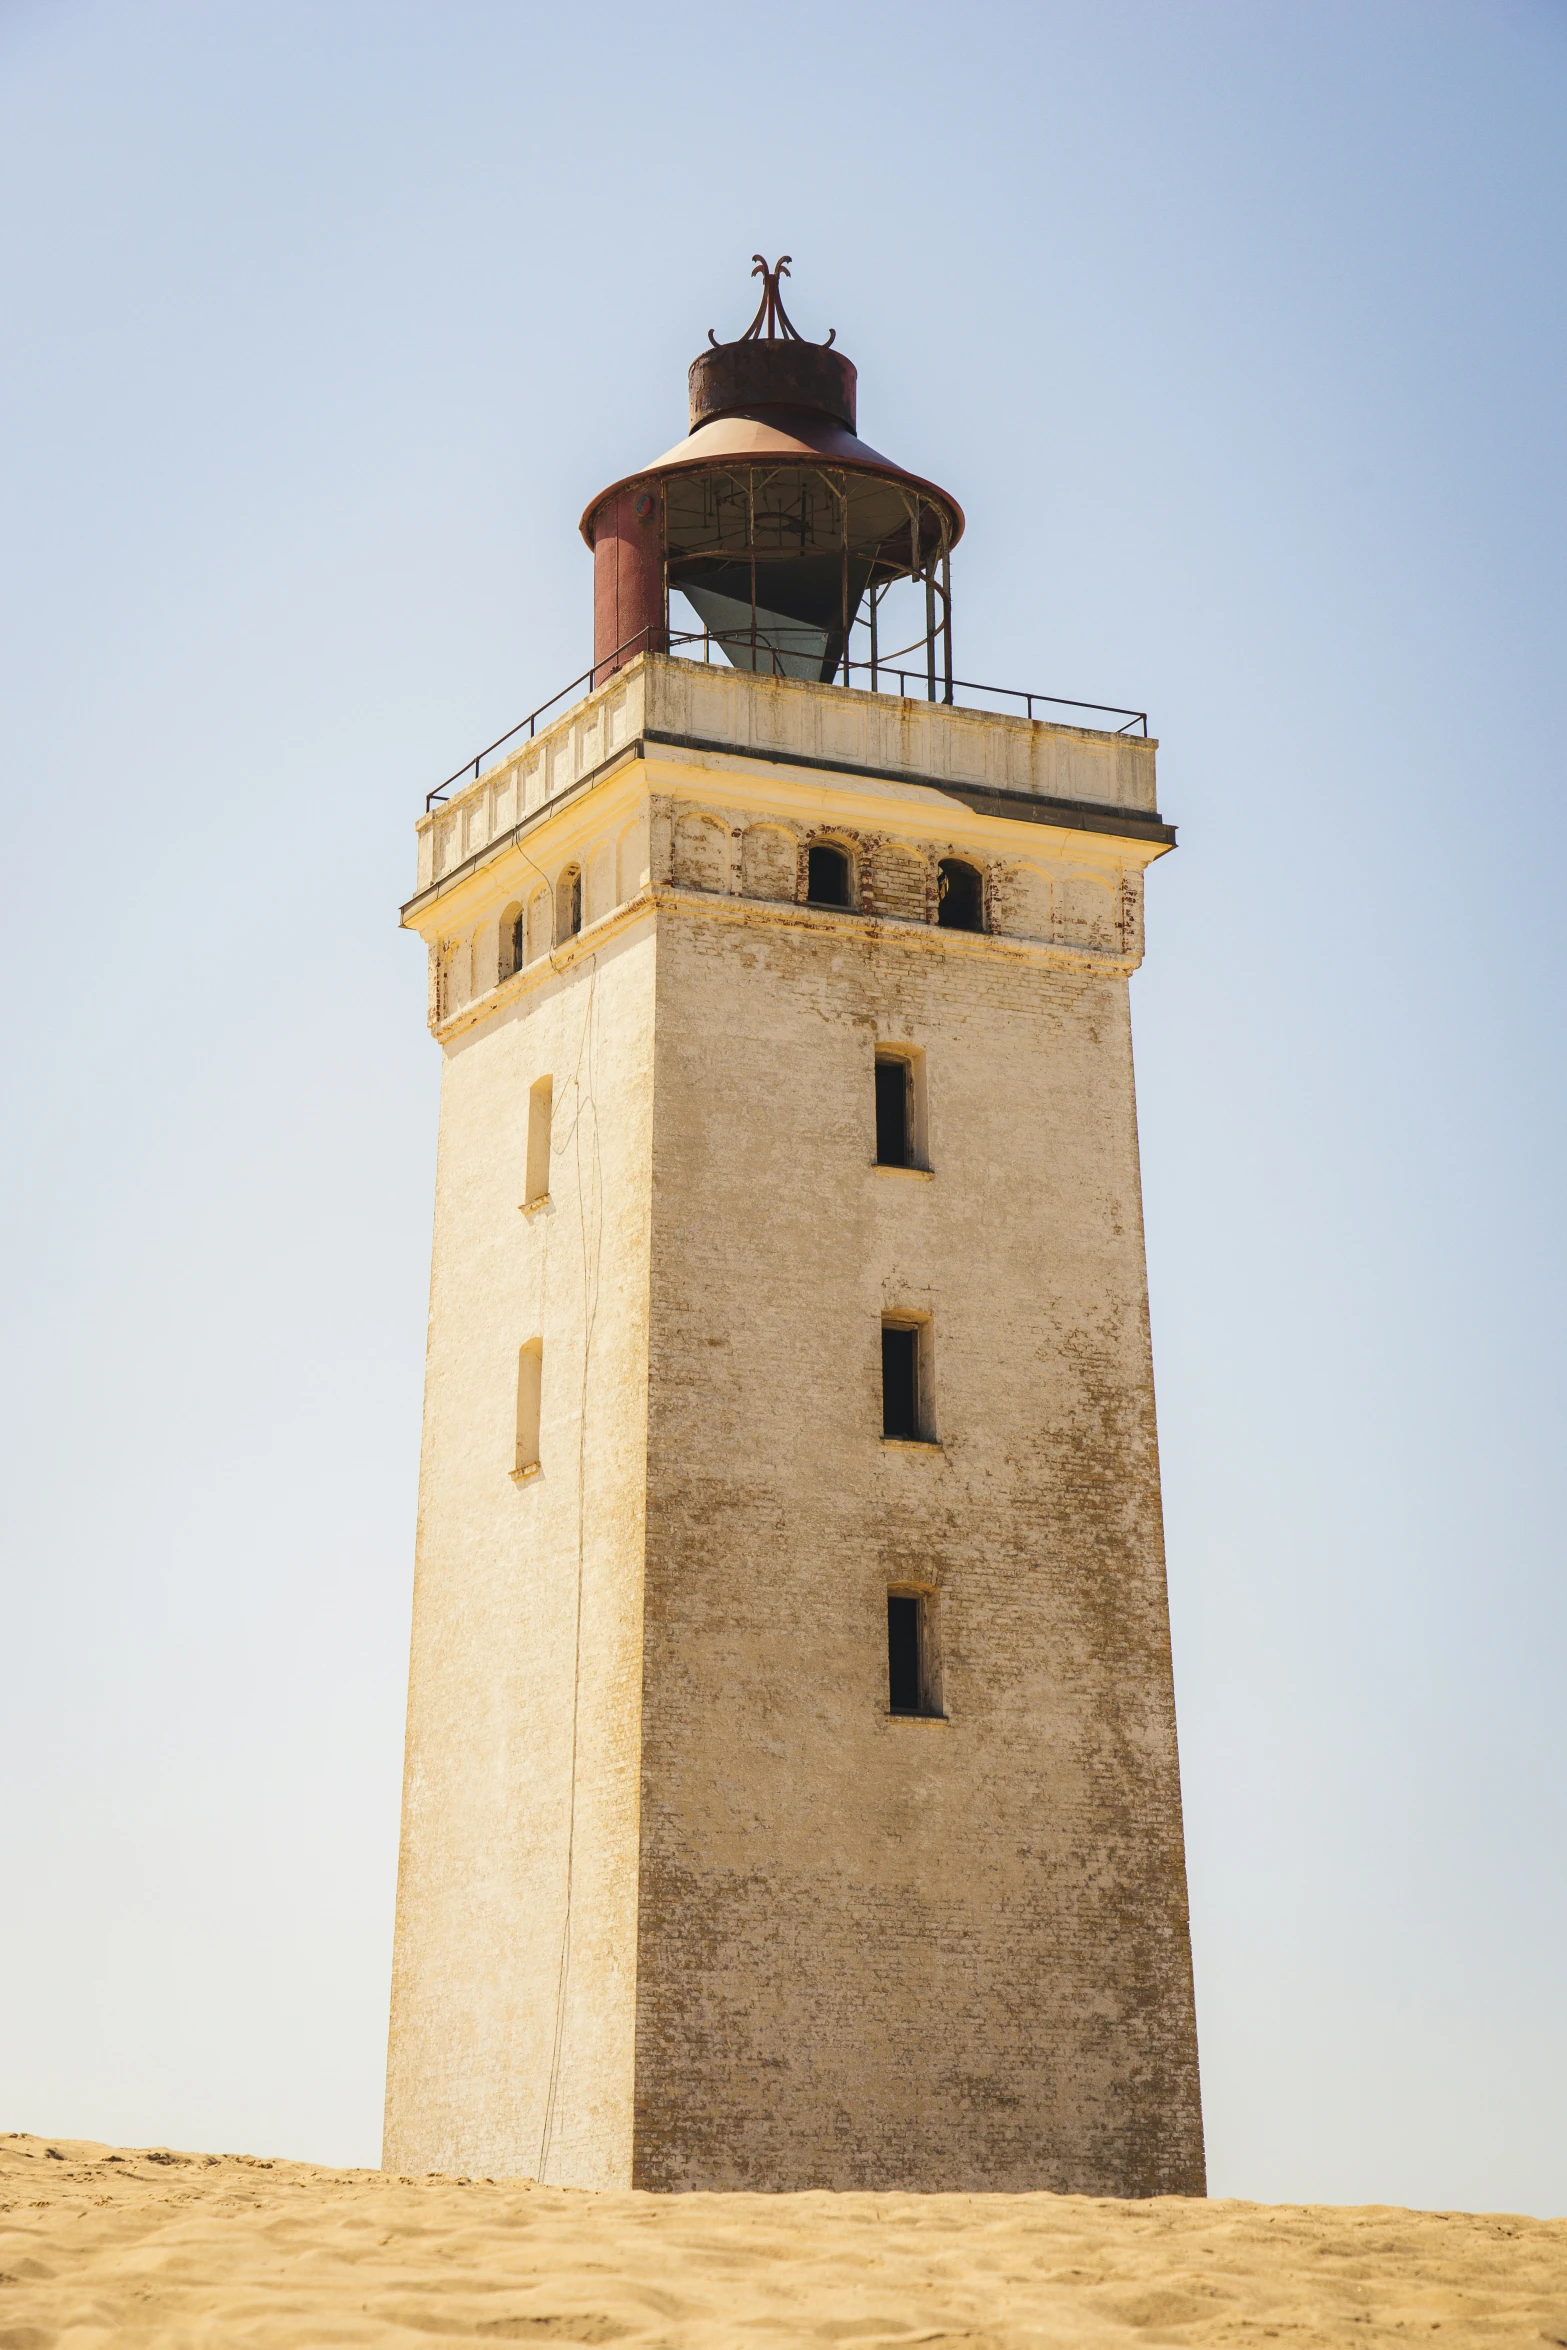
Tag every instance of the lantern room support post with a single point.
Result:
(750, 540)
(946, 620)
(930, 628)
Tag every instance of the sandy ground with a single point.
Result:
(104, 2245)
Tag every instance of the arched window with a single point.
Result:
(568, 904)
(513, 945)
(959, 901)
(826, 877)
(456, 966)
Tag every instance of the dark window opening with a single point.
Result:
(958, 905)
(892, 1112)
(905, 1679)
(509, 945)
(570, 913)
(827, 877)
(519, 941)
(900, 1384)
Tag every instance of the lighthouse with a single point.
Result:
(791, 1792)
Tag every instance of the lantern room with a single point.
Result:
(780, 529)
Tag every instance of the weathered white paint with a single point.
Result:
(679, 1903)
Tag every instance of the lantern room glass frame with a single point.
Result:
(884, 529)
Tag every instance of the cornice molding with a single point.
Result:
(1029, 807)
(891, 929)
(865, 930)
(998, 804)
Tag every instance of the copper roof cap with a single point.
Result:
(773, 398)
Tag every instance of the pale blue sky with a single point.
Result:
(1238, 330)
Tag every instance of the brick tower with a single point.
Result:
(791, 1794)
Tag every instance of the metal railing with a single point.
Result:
(1017, 693)
(462, 774)
(756, 642)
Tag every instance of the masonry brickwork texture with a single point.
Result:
(680, 1903)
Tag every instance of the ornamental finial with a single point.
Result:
(771, 315)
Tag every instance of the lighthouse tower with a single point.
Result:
(791, 1792)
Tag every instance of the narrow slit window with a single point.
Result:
(568, 904)
(893, 1107)
(540, 1103)
(530, 1381)
(905, 1658)
(826, 877)
(900, 1380)
(959, 899)
(509, 953)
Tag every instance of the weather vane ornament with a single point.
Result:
(771, 316)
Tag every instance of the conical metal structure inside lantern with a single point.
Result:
(784, 599)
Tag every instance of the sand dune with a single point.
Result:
(99, 2245)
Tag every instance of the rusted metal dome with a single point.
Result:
(772, 517)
